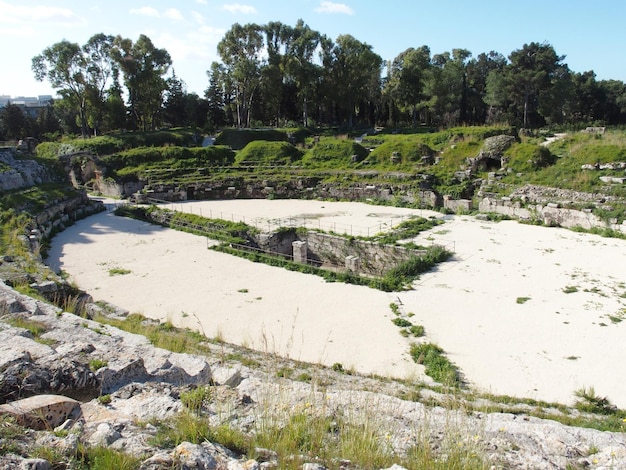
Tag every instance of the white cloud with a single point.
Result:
(173, 14)
(202, 2)
(330, 7)
(145, 11)
(38, 14)
(198, 17)
(238, 8)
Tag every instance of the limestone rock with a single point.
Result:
(189, 455)
(42, 411)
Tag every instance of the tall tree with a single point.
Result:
(65, 66)
(144, 67)
(240, 50)
(351, 68)
(532, 76)
(478, 69)
(447, 87)
(215, 96)
(175, 101)
(100, 69)
(406, 77)
(299, 64)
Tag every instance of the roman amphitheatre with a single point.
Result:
(522, 310)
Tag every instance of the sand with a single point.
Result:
(522, 310)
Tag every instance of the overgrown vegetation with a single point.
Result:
(437, 365)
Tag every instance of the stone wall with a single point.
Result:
(373, 258)
(332, 250)
(549, 214)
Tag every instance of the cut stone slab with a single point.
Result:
(42, 412)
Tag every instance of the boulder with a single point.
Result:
(42, 411)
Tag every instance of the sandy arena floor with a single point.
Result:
(522, 310)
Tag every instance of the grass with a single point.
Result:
(161, 335)
(436, 364)
(96, 364)
(522, 300)
(118, 271)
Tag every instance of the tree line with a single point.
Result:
(281, 75)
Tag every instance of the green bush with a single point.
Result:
(268, 153)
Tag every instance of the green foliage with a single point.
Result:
(34, 327)
(184, 427)
(96, 364)
(260, 152)
(588, 401)
(195, 399)
(437, 364)
(181, 340)
(333, 153)
(409, 149)
(526, 157)
(170, 156)
(401, 322)
(522, 300)
(104, 399)
(398, 277)
(237, 139)
(407, 229)
(118, 271)
(105, 458)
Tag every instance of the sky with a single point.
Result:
(591, 35)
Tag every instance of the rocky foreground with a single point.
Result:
(133, 386)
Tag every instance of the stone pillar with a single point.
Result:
(352, 263)
(299, 251)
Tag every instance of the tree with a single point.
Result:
(214, 94)
(532, 77)
(407, 74)
(478, 69)
(351, 67)
(175, 101)
(299, 65)
(100, 69)
(13, 124)
(144, 67)
(65, 67)
(240, 50)
(447, 87)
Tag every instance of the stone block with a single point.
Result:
(42, 411)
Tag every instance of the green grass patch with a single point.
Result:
(437, 365)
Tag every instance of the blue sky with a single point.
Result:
(592, 35)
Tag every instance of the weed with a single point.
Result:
(522, 300)
(587, 400)
(437, 365)
(570, 289)
(401, 322)
(118, 271)
(104, 399)
(96, 364)
(195, 399)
